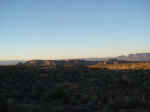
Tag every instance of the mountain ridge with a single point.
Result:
(129, 57)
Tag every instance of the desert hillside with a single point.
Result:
(128, 66)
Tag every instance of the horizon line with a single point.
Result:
(72, 58)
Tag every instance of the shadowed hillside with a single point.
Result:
(77, 89)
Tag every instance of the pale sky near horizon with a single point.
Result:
(58, 29)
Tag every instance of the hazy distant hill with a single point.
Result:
(96, 59)
(136, 57)
(10, 62)
(130, 57)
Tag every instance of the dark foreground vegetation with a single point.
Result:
(31, 89)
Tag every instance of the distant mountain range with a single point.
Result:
(130, 57)
(10, 62)
(135, 57)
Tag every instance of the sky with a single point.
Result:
(62, 29)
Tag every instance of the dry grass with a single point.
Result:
(130, 66)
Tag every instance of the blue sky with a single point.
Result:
(55, 29)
